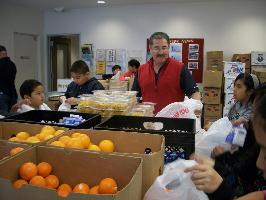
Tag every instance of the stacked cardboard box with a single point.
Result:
(260, 73)
(231, 71)
(212, 83)
(215, 60)
(243, 58)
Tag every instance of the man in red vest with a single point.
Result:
(163, 80)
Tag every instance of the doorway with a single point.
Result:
(26, 57)
(63, 51)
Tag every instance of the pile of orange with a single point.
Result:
(13, 151)
(83, 141)
(46, 133)
(40, 176)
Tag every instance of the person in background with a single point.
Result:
(32, 91)
(163, 80)
(116, 69)
(133, 66)
(82, 83)
(206, 178)
(8, 93)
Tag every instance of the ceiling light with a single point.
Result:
(101, 2)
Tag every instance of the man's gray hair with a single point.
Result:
(159, 35)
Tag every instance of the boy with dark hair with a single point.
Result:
(133, 66)
(82, 83)
(33, 92)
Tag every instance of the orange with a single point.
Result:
(38, 181)
(19, 183)
(28, 170)
(94, 147)
(94, 190)
(85, 140)
(82, 188)
(16, 150)
(14, 139)
(74, 143)
(48, 137)
(48, 130)
(44, 169)
(22, 135)
(32, 139)
(74, 135)
(108, 186)
(52, 181)
(107, 146)
(64, 139)
(63, 190)
(57, 144)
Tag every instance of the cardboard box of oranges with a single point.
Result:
(9, 149)
(120, 143)
(28, 133)
(43, 172)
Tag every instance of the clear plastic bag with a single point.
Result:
(174, 183)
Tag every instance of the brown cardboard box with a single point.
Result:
(212, 95)
(260, 73)
(73, 167)
(210, 119)
(213, 110)
(10, 129)
(118, 85)
(215, 54)
(215, 64)
(213, 79)
(6, 146)
(132, 144)
(244, 58)
(105, 84)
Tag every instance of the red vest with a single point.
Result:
(166, 89)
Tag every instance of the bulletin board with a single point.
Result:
(188, 51)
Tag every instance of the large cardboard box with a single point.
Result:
(212, 79)
(118, 85)
(215, 54)
(233, 69)
(73, 167)
(215, 64)
(132, 144)
(215, 60)
(260, 73)
(7, 146)
(212, 95)
(229, 85)
(229, 100)
(212, 110)
(10, 129)
(243, 58)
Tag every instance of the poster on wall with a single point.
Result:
(120, 58)
(258, 58)
(110, 60)
(100, 61)
(87, 54)
(188, 51)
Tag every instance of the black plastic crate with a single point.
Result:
(178, 133)
(37, 116)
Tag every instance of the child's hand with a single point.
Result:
(205, 177)
(62, 99)
(72, 101)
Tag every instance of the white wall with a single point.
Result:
(231, 26)
(22, 20)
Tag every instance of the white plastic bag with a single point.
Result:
(216, 135)
(64, 106)
(183, 109)
(174, 183)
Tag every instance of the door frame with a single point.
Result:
(49, 61)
